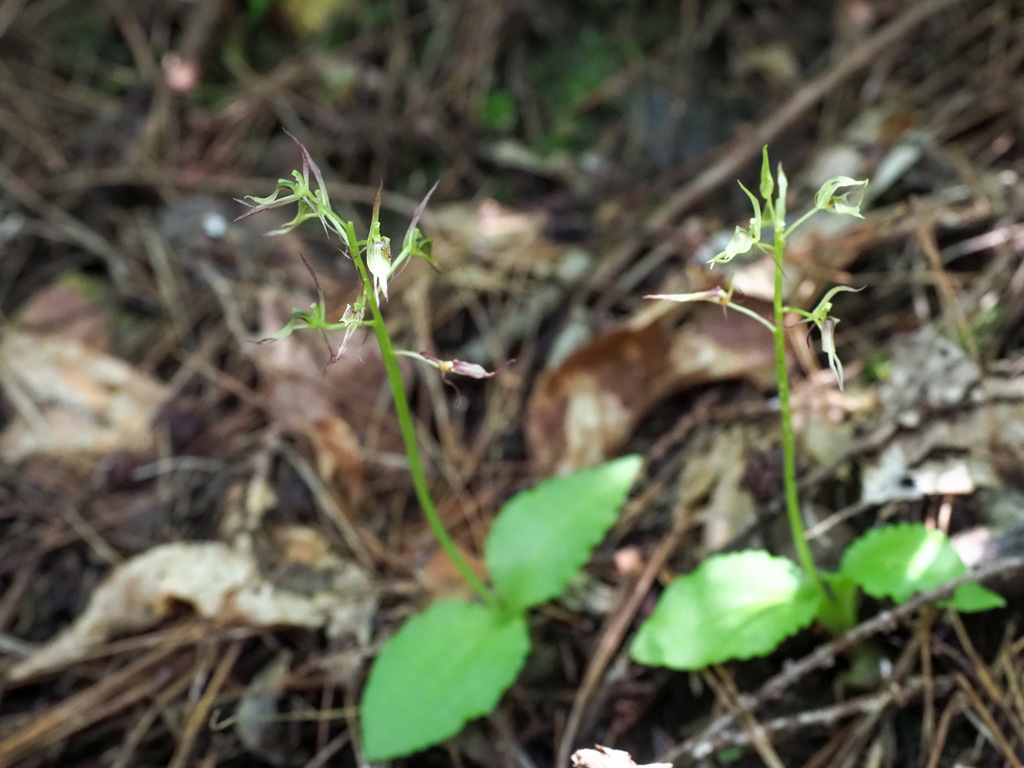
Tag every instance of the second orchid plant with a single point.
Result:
(743, 604)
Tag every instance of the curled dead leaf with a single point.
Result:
(71, 398)
(219, 582)
(583, 412)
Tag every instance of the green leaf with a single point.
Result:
(543, 536)
(732, 606)
(898, 561)
(444, 667)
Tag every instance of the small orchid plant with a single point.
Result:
(375, 266)
(453, 661)
(743, 604)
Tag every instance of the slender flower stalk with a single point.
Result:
(405, 423)
(375, 266)
(792, 495)
(841, 195)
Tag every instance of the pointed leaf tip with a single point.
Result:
(543, 536)
(444, 667)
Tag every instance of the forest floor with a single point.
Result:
(586, 155)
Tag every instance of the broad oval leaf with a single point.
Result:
(543, 536)
(733, 606)
(899, 561)
(444, 667)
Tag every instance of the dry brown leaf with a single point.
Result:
(731, 507)
(76, 306)
(949, 417)
(317, 589)
(582, 412)
(71, 398)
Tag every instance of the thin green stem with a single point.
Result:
(751, 314)
(405, 422)
(796, 522)
(792, 227)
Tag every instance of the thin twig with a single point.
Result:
(825, 717)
